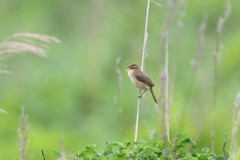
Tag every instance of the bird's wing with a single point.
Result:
(144, 79)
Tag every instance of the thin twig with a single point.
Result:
(144, 55)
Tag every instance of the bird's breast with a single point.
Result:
(136, 82)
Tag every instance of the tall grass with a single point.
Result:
(164, 75)
(21, 43)
(219, 30)
(195, 66)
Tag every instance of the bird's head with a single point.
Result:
(132, 67)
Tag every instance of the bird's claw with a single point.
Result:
(139, 96)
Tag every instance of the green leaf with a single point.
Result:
(107, 151)
(57, 153)
(205, 150)
(115, 144)
(186, 141)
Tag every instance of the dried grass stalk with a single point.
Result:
(20, 43)
(166, 95)
(144, 55)
(119, 89)
(182, 13)
(34, 36)
(219, 29)
(23, 134)
(27, 43)
(234, 148)
(195, 64)
(164, 75)
(19, 48)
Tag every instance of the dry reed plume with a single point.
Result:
(19, 43)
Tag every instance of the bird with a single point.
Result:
(140, 80)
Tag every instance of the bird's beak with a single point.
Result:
(126, 70)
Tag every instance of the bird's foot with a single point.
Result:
(139, 96)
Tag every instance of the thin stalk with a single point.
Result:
(166, 98)
(234, 147)
(144, 55)
(119, 89)
(195, 65)
(220, 25)
(164, 79)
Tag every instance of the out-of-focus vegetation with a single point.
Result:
(69, 96)
(182, 148)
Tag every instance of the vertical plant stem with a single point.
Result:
(23, 134)
(137, 119)
(144, 52)
(43, 155)
(196, 58)
(144, 55)
(195, 64)
(119, 89)
(220, 25)
(234, 147)
(224, 147)
(164, 79)
(166, 98)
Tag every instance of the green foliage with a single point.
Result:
(181, 148)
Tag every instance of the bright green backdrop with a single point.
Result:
(69, 96)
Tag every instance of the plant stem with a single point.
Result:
(220, 25)
(144, 55)
(224, 147)
(166, 100)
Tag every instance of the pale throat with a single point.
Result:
(130, 74)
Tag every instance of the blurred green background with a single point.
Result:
(70, 95)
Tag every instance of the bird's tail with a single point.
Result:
(154, 98)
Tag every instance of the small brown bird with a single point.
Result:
(140, 80)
